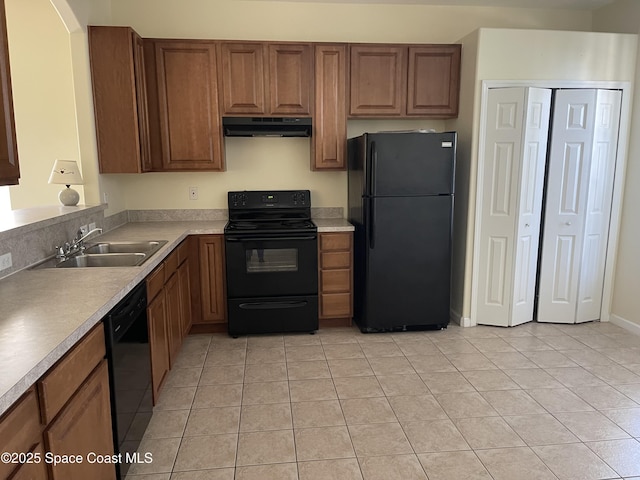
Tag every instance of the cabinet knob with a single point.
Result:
(568, 224)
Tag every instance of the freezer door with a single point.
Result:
(404, 164)
(403, 279)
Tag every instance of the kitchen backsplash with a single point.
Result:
(33, 241)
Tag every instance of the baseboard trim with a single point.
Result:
(466, 322)
(455, 317)
(624, 323)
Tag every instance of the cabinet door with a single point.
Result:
(433, 84)
(290, 79)
(185, 297)
(174, 314)
(20, 429)
(119, 99)
(212, 279)
(84, 426)
(243, 78)
(188, 105)
(141, 100)
(32, 471)
(158, 343)
(329, 140)
(9, 168)
(378, 80)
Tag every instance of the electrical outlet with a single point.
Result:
(5, 261)
(92, 226)
(83, 230)
(193, 193)
(105, 196)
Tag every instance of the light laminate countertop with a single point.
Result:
(44, 312)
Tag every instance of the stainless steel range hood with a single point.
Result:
(266, 126)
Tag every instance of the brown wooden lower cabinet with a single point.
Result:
(33, 470)
(174, 313)
(335, 277)
(82, 427)
(212, 292)
(184, 281)
(168, 312)
(158, 343)
(20, 430)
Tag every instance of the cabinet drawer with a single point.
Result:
(170, 265)
(19, 429)
(335, 260)
(335, 281)
(335, 241)
(155, 282)
(335, 305)
(63, 379)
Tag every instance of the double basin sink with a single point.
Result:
(111, 254)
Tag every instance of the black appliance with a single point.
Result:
(401, 189)
(266, 126)
(129, 358)
(271, 253)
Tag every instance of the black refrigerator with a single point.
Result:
(401, 190)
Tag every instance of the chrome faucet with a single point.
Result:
(77, 242)
(76, 245)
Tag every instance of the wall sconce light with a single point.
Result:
(66, 172)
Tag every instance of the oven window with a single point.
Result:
(261, 260)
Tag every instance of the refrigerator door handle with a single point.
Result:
(371, 224)
(372, 172)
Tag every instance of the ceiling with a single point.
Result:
(564, 4)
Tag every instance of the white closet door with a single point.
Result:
(598, 209)
(565, 204)
(512, 181)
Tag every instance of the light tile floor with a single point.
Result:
(537, 401)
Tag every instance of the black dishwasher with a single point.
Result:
(127, 341)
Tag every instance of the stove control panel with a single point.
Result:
(270, 199)
(238, 199)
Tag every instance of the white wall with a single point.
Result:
(624, 16)
(43, 97)
(536, 56)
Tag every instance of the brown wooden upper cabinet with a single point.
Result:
(190, 130)
(329, 142)
(119, 99)
(266, 78)
(404, 80)
(378, 80)
(9, 167)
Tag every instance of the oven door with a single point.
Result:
(271, 265)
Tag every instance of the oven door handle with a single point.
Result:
(265, 239)
(272, 305)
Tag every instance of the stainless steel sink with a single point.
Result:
(108, 254)
(103, 260)
(149, 247)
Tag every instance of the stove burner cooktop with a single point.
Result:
(258, 212)
(270, 226)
